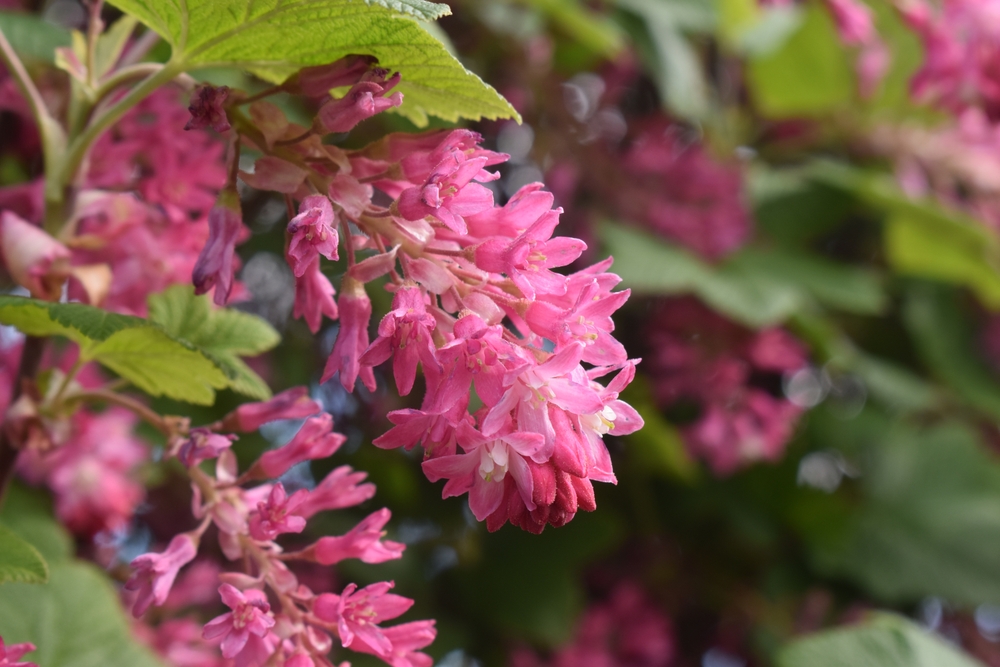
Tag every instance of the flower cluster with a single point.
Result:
(961, 40)
(700, 357)
(625, 631)
(274, 617)
(477, 302)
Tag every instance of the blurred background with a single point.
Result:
(803, 199)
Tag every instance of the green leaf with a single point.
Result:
(811, 74)
(160, 365)
(946, 342)
(138, 351)
(32, 37)
(275, 39)
(756, 31)
(926, 524)
(19, 561)
(75, 620)
(884, 640)
(111, 44)
(28, 514)
(586, 27)
(756, 287)
(223, 334)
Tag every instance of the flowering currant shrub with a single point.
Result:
(138, 212)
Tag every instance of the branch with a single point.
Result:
(31, 357)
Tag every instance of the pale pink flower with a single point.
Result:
(364, 542)
(405, 639)
(405, 335)
(314, 440)
(313, 232)
(352, 339)
(202, 445)
(449, 193)
(10, 655)
(216, 265)
(356, 613)
(313, 296)
(245, 629)
(341, 488)
(153, 574)
(363, 100)
(278, 514)
(293, 403)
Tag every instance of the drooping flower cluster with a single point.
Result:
(961, 40)
(625, 631)
(274, 617)
(701, 358)
(477, 303)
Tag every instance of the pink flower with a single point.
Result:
(215, 266)
(365, 99)
(245, 629)
(478, 353)
(10, 655)
(203, 445)
(315, 440)
(154, 574)
(341, 488)
(352, 339)
(405, 639)
(313, 232)
(527, 259)
(481, 470)
(364, 541)
(207, 110)
(405, 335)
(292, 403)
(319, 80)
(278, 514)
(449, 193)
(35, 260)
(313, 295)
(356, 613)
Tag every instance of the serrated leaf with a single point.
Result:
(19, 561)
(276, 38)
(884, 640)
(75, 620)
(140, 352)
(224, 335)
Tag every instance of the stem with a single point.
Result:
(94, 28)
(24, 82)
(261, 95)
(140, 48)
(123, 76)
(103, 395)
(78, 149)
(64, 385)
(31, 357)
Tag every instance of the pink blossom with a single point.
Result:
(35, 260)
(278, 514)
(245, 629)
(207, 109)
(180, 643)
(364, 541)
(314, 440)
(356, 613)
(405, 639)
(275, 174)
(352, 339)
(481, 470)
(365, 99)
(216, 265)
(313, 296)
(341, 488)
(449, 193)
(153, 574)
(11, 655)
(477, 354)
(292, 403)
(313, 232)
(405, 335)
(203, 445)
(435, 431)
(527, 259)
